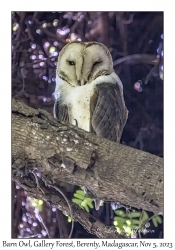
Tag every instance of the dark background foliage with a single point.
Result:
(135, 40)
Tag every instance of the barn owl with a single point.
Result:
(88, 92)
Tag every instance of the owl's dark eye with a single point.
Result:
(71, 62)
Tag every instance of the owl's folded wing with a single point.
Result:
(60, 112)
(109, 113)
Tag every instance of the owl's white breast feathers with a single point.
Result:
(77, 98)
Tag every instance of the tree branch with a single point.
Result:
(90, 223)
(119, 173)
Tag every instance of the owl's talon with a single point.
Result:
(76, 123)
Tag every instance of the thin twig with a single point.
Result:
(37, 182)
(42, 222)
(23, 80)
(21, 22)
(33, 63)
(29, 32)
(150, 73)
(71, 213)
(61, 224)
(31, 236)
(136, 59)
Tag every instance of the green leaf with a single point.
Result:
(135, 221)
(128, 222)
(155, 222)
(88, 200)
(81, 206)
(118, 224)
(132, 222)
(134, 226)
(77, 201)
(158, 219)
(90, 205)
(120, 213)
(145, 217)
(119, 219)
(81, 192)
(86, 208)
(134, 214)
(79, 196)
(115, 223)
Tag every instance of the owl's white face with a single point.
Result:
(81, 63)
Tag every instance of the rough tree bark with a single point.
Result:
(111, 171)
